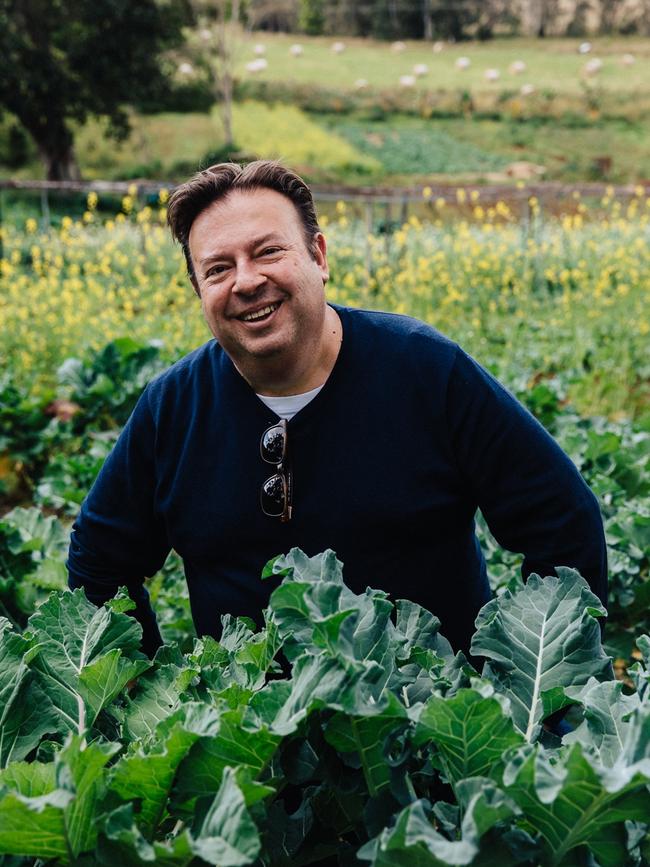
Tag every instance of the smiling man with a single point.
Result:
(308, 424)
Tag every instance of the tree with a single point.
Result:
(64, 60)
(213, 44)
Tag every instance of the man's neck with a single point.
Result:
(278, 378)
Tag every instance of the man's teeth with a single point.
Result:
(260, 314)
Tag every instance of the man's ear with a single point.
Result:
(195, 285)
(319, 250)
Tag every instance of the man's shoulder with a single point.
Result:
(186, 379)
(194, 364)
(398, 331)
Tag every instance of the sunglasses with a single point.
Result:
(275, 496)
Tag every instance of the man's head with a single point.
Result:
(218, 181)
(258, 262)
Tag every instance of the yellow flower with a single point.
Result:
(31, 225)
(92, 200)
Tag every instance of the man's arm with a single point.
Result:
(532, 496)
(117, 538)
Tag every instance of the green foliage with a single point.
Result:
(295, 137)
(401, 148)
(22, 442)
(378, 741)
(32, 551)
(311, 17)
(107, 386)
(60, 62)
(67, 478)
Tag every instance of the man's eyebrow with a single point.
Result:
(255, 242)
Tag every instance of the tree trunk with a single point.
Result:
(427, 20)
(55, 148)
(60, 165)
(226, 108)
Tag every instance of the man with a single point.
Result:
(318, 426)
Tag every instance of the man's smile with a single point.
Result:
(260, 314)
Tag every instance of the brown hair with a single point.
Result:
(216, 182)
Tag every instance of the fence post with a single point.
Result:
(45, 210)
(405, 210)
(388, 228)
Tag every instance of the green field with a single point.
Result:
(552, 64)
(452, 123)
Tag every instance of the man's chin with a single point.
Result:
(256, 350)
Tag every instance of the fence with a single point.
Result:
(393, 204)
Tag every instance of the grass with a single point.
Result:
(552, 64)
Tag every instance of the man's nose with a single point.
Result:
(248, 277)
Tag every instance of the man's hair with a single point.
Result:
(218, 181)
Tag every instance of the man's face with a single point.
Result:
(261, 289)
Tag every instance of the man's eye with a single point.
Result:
(269, 251)
(216, 270)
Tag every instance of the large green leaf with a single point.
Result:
(227, 836)
(540, 640)
(470, 732)
(313, 608)
(572, 802)
(105, 678)
(34, 826)
(30, 779)
(147, 774)
(318, 682)
(420, 629)
(30, 531)
(368, 737)
(158, 694)
(235, 741)
(25, 713)
(80, 768)
(58, 822)
(606, 722)
(121, 842)
(413, 841)
(79, 646)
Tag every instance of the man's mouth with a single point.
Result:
(261, 314)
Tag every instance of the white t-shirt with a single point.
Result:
(287, 407)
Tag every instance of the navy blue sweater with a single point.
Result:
(390, 461)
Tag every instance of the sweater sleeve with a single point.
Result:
(531, 494)
(117, 538)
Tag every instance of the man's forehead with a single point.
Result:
(257, 206)
(244, 216)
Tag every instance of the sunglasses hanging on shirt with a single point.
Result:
(275, 496)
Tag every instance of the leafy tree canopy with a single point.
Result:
(63, 60)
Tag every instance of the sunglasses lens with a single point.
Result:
(273, 445)
(274, 495)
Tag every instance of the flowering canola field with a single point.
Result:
(530, 299)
